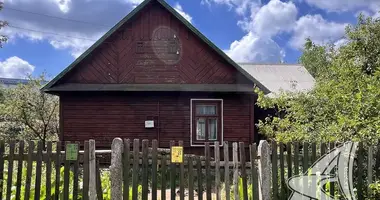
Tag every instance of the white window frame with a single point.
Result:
(221, 122)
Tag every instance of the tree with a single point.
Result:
(29, 113)
(2, 24)
(344, 104)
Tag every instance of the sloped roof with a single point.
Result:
(277, 77)
(129, 17)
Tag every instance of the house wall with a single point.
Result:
(104, 116)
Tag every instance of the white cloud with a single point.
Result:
(252, 48)
(272, 18)
(15, 67)
(82, 35)
(179, 9)
(317, 29)
(343, 5)
(240, 6)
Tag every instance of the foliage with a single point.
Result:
(375, 188)
(29, 113)
(344, 102)
(240, 190)
(2, 24)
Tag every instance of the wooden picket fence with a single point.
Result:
(28, 170)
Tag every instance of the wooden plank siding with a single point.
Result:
(120, 60)
(104, 116)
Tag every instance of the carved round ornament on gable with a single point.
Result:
(166, 45)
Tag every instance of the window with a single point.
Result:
(206, 121)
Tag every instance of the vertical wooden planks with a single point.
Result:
(274, 170)
(136, 144)
(235, 180)
(360, 186)
(99, 189)
(29, 169)
(10, 169)
(217, 169)
(181, 177)
(289, 159)
(57, 170)
(86, 180)
(208, 170)
(370, 169)
(2, 150)
(332, 185)
(48, 170)
(243, 170)
(145, 186)
(126, 165)
(254, 174)
(163, 176)
(191, 179)
(226, 170)
(296, 158)
(66, 175)
(76, 175)
(19, 169)
(37, 188)
(154, 169)
(282, 171)
(305, 163)
(172, 175)
(199, 177)
(313, 152)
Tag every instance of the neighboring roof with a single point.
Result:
(153, 87)
(277, 77)
(130, 16)
(13, 81)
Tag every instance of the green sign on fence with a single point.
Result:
(71, 151)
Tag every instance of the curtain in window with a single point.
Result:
(212, 129)
(206, 110)
(201, 129)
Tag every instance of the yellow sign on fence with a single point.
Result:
(177, 154)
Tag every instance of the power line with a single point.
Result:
(55, 17)
(51, 33)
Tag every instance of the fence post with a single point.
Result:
(92, 171)
(116, 168)
(264, 171)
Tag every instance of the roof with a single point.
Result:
(153, 87)
(277, 77)
(48, 86)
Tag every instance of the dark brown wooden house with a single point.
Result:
(154, 76)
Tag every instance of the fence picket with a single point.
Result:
(172, 174)
(332, 185)
(305, 163)
(370, 169)
(243, 170)
(19, 169)
(145, 186)
(208, 170)
(86, 174)
(29, 169)
(199, 178)
(136, 144)
(274, 170)
(10, 169)
(48, 170)
(2, 150)
(226, 159)
(37, 188)
(57, 170)
(99, 188)
(296, 158)
(282, 171)
(289, 159)
(76, 176)
(163, 177)
(313, 152)
(191, 179)
(217, 169)
(235, 180)
(66, 174)
(181, 177)
(360, 186)
(154, 169)
(254, 175)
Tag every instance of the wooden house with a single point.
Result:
(155, 76)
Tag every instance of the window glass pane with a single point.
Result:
(212, 129)
(206, 110)
(201, 129)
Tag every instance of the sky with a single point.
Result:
(45, 36)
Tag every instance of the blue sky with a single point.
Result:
(259, 31)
